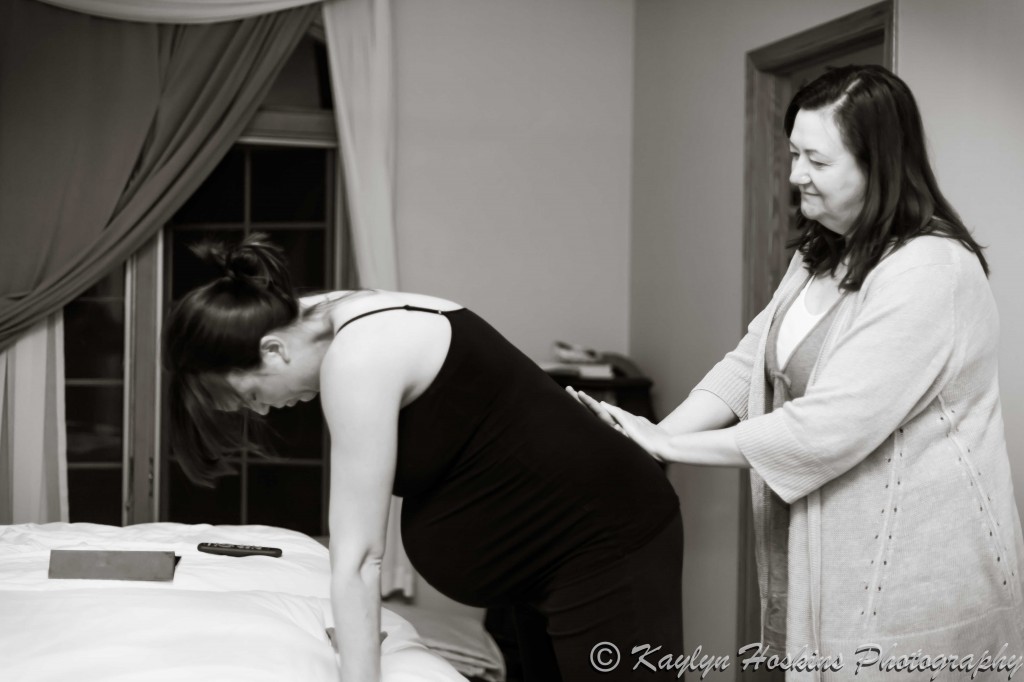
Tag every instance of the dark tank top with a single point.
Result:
(509, 483)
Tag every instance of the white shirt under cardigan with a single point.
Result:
(904, 532)
(796, 325)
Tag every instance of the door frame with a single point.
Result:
(766, 224)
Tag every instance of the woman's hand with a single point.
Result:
(651, 437)
(595, 406)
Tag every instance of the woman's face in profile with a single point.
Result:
(830, 181)
(283, 378)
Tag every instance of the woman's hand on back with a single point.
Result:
(596, 407)
(642, 431)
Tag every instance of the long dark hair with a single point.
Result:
(216, 329)
(881, 126)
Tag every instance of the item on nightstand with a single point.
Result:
(575, 353)
(574, 360)
(597, 370)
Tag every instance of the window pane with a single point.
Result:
(94, 496)
(288, 185)
(189, 503)
(286, 496)
(297, 432)
(221, 197)
(306, 252)
(94, 340)
(187, 271)
(94, 418)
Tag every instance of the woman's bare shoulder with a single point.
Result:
(406, 348)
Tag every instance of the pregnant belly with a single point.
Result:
(497, 548)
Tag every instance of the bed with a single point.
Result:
(221, 618)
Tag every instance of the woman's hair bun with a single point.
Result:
(255, 261)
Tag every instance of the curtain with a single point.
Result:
(98, 127)
(106, 127)
(359, 48)
(33, 480)
(131, 120)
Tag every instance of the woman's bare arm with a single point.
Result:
(362, 386)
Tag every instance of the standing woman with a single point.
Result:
(867, 403)
(512, 494)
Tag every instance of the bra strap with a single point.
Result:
(397, 307)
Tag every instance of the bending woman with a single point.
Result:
(512, 494)
(867, 402)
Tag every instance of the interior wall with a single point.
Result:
(962, 61)
(687, 246)
(513, 168)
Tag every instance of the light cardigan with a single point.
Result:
(903, 528)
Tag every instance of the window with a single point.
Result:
(281, 179)
(94, 359)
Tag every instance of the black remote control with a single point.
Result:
(238, 550)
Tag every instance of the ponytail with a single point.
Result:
(256, 264)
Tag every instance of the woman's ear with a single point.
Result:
(272, 347)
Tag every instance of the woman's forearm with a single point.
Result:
(705, 448)
(701, 411)
(711, 447)
(355, 602)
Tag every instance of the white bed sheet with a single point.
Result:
(221, 619)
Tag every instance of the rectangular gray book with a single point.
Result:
(92, 564)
